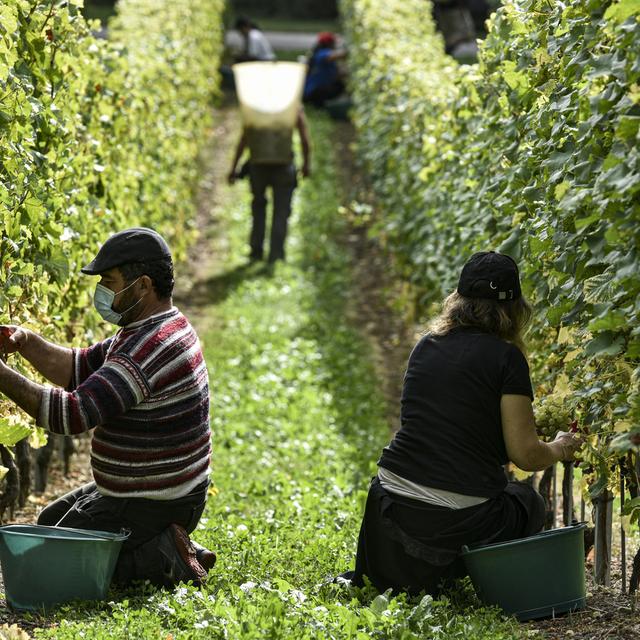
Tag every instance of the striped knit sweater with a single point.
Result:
(145, 391)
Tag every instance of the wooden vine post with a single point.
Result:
(604, 525)
(12, 483)
(43, 458)
(623, 540)
(567, 494)
(633, 482)
(545, 488)
(554, 494)
(23, 460)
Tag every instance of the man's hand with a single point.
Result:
(25, 393)
(232, 177)
(12, 339)
(306, 170)
(55, 363)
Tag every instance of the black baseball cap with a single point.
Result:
(131, 245)
(490, 275)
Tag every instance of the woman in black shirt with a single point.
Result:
(466, 411)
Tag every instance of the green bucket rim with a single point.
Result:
(79, 535)
(551, 533)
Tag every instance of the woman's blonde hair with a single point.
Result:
(507, 319)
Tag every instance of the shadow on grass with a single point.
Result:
(358, 401)
(219, 287)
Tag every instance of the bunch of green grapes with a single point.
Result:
(553, 414)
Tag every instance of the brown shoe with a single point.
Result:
(206, 557)
(181, 561)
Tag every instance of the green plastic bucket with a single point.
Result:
(534, 577)
(45, 566)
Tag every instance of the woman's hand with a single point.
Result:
(567, 445)
(523, 446)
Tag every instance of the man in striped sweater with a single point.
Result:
(144, 392)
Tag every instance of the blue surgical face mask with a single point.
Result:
(103, 302)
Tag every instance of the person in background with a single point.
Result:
(466, 410)
(271, 165)
(480, 11)
(461, 23)
(144, 393)
(256, 46)
(324, 80)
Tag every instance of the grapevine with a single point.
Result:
(553, 415)
(95, 136)
(533, 152)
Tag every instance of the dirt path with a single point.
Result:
(196, 282)
(374, 306)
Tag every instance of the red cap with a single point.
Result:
(326, 38)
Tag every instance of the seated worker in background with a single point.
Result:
(271, 165)
(256, 46)
(324, 80)
(466, 411)
(145, 394)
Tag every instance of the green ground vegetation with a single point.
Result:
(298, 421)
(295, 55)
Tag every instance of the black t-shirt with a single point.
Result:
(451, 431)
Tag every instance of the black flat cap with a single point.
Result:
(131, 245)
(490, 275)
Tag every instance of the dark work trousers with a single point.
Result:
(282, 180)
(86, 508)
(320, 95)
(410, 545)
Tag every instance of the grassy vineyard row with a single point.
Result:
(298, 421)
